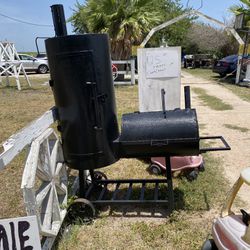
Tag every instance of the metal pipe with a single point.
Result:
(82, 184)
(36, 42)
(163, 102)
(59, 20)
(187, 97)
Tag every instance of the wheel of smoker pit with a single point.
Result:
(155, 169)
(201, 168)
(98, 176)
(209, 245)
(44, 183)
(191, 176)
(81, 211)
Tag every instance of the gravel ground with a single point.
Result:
(237, 159)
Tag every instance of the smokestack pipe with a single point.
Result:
(187, 97)
(59, 20)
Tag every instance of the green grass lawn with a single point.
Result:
(207, 74)
(196, 203)
(211, 101)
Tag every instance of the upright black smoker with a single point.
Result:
(81, 80)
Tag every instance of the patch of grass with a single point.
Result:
(207, 74)
(241, 92)
(197, 203)
(175, 234)
(234, 127)
(18, 108)
(208, 191)
(70, 238)
(29, 53)
(212, 101)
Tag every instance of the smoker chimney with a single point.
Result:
(59, 20)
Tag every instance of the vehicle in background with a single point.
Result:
(30, 63)
(42, 55)
(226, 65)
(188, 61)
(198, 61)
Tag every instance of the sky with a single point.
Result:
(38, 12)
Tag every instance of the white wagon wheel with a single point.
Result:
(44, 183)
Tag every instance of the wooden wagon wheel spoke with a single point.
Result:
(45, 166)
(56, 208)
(44, 176)
(61, 188)
(44, 159)
(48, 158)
(48, 210)
(53, 158)
(60, 169)
(42, 192)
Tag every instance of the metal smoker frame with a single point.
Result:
(85, 191)
(101, 183)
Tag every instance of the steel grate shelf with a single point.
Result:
(127, 191)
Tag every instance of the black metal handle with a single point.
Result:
(226, 145)
(163, 102)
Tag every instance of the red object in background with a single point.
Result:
(114, 71)
(178, 163)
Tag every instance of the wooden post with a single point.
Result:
(17, 78)
(132, 65)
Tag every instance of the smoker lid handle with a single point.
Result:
(225, 144)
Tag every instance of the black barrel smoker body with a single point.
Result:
(84, 95)
(82, 84)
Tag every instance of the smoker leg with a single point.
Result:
(92, 175)
(82, 183)
(170, 184)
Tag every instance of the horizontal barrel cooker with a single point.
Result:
(173, 132)
(82, 84)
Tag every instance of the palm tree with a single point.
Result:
(242, 8)
(126, 21)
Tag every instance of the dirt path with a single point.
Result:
(238, 158)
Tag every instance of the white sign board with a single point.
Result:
(160, 64)
(19, 234)
(159, 68)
